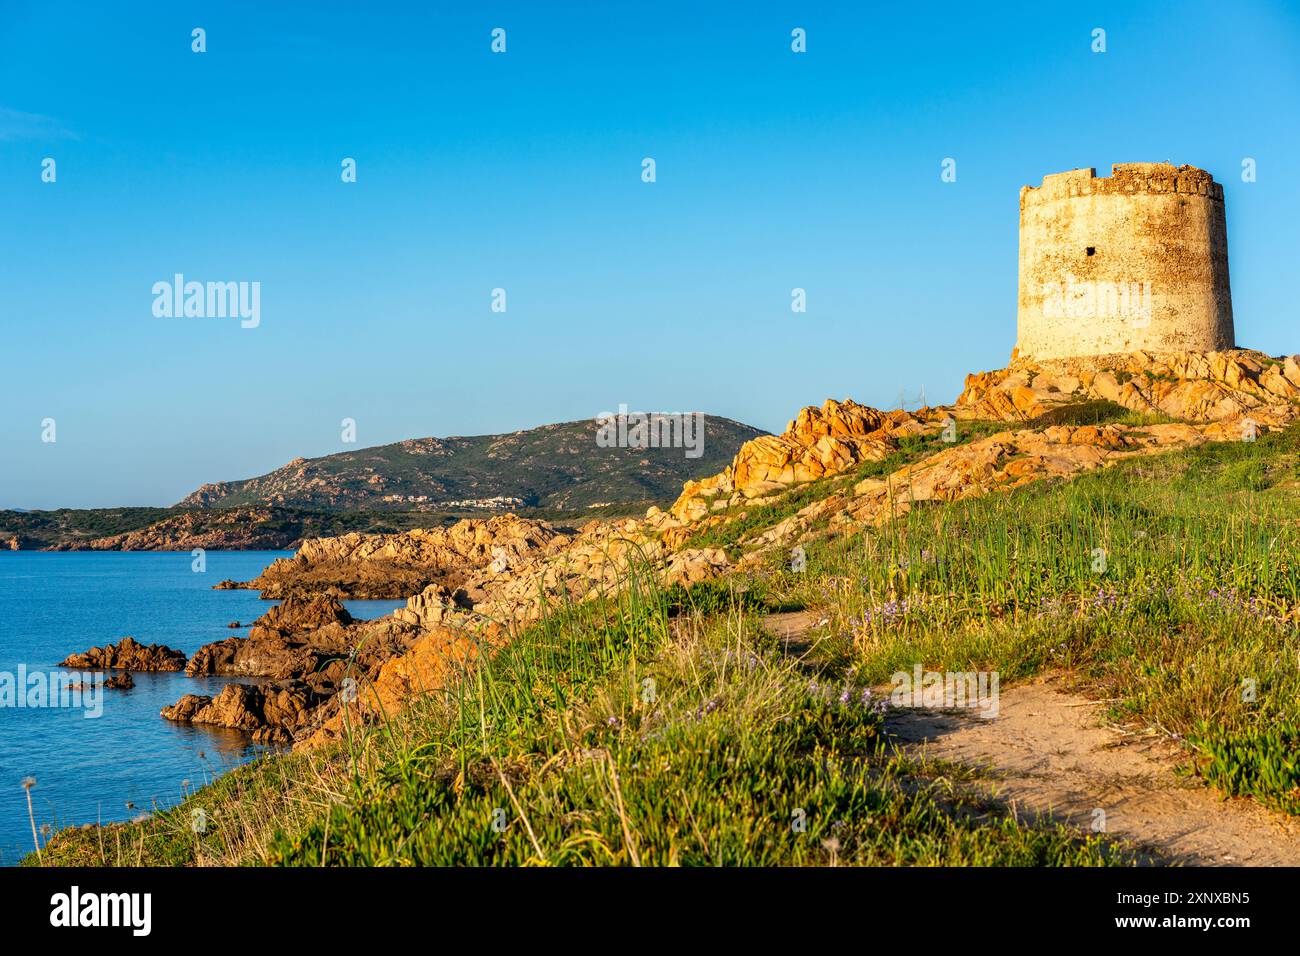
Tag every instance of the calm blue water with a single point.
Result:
(54, 604)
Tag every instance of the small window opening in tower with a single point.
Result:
(1092, 250)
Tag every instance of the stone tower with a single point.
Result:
(1136, 260)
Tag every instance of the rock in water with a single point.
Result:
(128, 654)
(270, 713)
(292, 639)
(297, 614)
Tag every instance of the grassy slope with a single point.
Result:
(1192, 624)
(559, 739)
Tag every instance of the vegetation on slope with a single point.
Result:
(735, 528)
(180, 529)
(1169, 585)
(42, 529)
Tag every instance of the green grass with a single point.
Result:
(745, 521)
(1262, 762)
(1097, 411)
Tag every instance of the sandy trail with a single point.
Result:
(1049, 753)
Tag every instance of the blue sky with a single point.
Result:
(522, 171)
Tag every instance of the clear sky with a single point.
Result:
(522, 171)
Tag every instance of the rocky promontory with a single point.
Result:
(546, 467)
(303, 652)
(236, 529)
(379, 566)
(1231, 386)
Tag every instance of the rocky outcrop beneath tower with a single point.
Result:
(1203, 387)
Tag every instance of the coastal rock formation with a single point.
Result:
(693, 565)
(293, 639)
(307, 649)
(296, 615)
(818, 442)
(404, 564)
(270, 713)
(433, 606)
(123, 681)
(128, 654)
(439, 656)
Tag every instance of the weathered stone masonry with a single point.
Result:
(1136, 260)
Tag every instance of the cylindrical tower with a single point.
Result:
(1136, 260)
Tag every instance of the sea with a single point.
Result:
(114, 759)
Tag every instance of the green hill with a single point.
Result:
(557, 467)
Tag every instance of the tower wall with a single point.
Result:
(1136, 260)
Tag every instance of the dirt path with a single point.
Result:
(792, 628)
(1049, 753)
